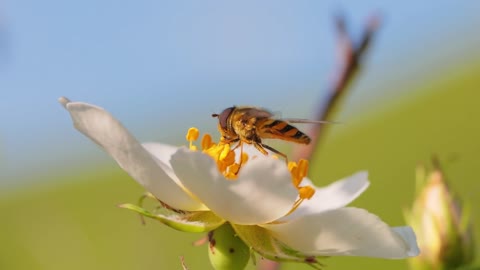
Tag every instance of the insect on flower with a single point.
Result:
(251, 124)
(281, 219)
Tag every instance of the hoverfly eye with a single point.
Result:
(223, 117)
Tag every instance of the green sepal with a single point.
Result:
(197, 221)
(226, 250)
(444, 232)
(262, 241)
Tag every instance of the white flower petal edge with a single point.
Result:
(160, 151)
(347, 232)
(102, 128)
(162, 154)
(338, 194)
(263, 191)
(407, 233)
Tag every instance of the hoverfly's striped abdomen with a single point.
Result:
(278, 129)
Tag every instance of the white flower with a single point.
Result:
(258, 203)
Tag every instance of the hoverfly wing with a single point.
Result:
(258, 112)
(307, 121)
(253, 112)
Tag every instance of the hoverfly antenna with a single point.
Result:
(215, 115)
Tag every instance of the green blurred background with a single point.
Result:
(161, 68)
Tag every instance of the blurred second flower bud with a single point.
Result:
(442, 224)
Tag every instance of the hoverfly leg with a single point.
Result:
(236, 146)
(260, 147)
(240, 144)
(241, 154)
(273, 150)
(229, 141)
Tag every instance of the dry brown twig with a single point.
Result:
(182, 261)
(350, 55)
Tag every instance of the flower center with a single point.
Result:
(228, 165)
(223, 155)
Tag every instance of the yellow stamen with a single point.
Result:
(192, 135)
(299, 172)
(213, 151)
(229, 158)
(228, 165)
(295, 206)
(225, 152)
(244, 158)
(302, 168)
(207, 141)
(233, 169)
(230, 176)
(291, 164)
(306, 192)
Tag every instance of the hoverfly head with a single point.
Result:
(223, 117)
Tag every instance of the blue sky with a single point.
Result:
(162, 66)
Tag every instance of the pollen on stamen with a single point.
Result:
(291, 165)
(299, 172)
(225, 152)
(230, 158)
(293, 168)
(244, 158)
(192, 135)
(222, 153)
(302, 168)
(207, 141)
(306, 192)
(232, 172)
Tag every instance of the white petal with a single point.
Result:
(101, 127)
(263, 192)
(408, 235)
(338, 194)
(162, 152)
(248, 149)
(346, 232)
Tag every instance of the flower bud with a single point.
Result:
(226, 250)
(442, 224)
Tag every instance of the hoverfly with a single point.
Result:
(251, 124)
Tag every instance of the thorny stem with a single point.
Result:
(350, 55)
